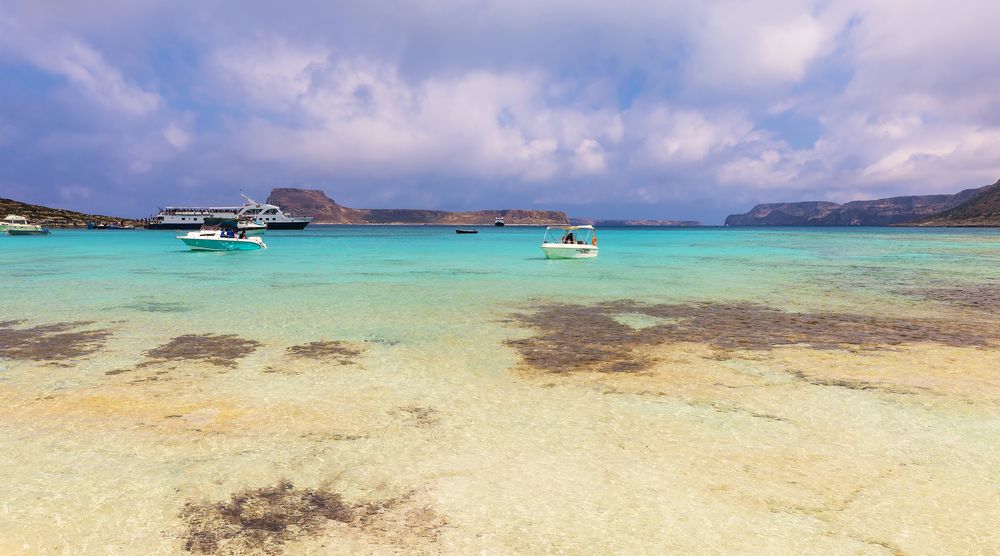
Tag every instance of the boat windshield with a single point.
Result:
(571, 235)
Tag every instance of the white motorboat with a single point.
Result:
(251, 227)
(570, 242)
(19, 226)
(221, 235)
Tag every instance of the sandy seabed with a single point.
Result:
(673, 430)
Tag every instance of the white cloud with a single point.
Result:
(82, 66)
(362, 116)
(272, 72)
(668, 137)
(759, 44)
(589, 158)
(177, 137)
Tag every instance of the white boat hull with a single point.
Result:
(199, 241)
(568, 251)
(34, 231)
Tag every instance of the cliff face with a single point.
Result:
(880, 212)
(782, 214)
(315, 203)
(983, 209)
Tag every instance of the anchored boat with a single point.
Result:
(191, 218)
(221, 235)
(570, 242)
(19, 226)
(251, 227)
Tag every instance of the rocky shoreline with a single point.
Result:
(59, 218)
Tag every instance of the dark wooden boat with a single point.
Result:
(461, 231)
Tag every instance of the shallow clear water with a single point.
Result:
(707, 452)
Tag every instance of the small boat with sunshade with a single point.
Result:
(221, 235)
(570, 242)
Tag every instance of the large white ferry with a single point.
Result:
(191, 218)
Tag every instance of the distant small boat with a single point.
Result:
(461, 231)
(221, 235)
(91, 225)
(498, 221)
(569, 246)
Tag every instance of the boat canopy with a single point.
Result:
(14, 218)
(570, 235)
(220, 223)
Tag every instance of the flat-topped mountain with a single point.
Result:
(324, 210)
(983, 209)
(879, 212)
(55, 218)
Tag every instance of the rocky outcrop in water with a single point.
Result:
(879, 212)
(983, 209)
(324, 210)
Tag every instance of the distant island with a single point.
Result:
(324, 210)
(58, 218)
(970, 207)
(626, 223)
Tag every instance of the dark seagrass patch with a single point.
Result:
(224, 350)
(572, 337)
(51, 342)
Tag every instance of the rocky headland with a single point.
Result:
(907, 210)
(324, 210)
(983, 209)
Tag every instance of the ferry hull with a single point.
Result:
(567, 251)
(197, 226)
(198, 244)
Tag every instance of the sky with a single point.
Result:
(664, 109)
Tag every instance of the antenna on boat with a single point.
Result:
(248, 199)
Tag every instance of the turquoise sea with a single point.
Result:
(774, 390)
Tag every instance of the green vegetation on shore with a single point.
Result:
(56, 218)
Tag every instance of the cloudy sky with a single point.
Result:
(652, 109)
